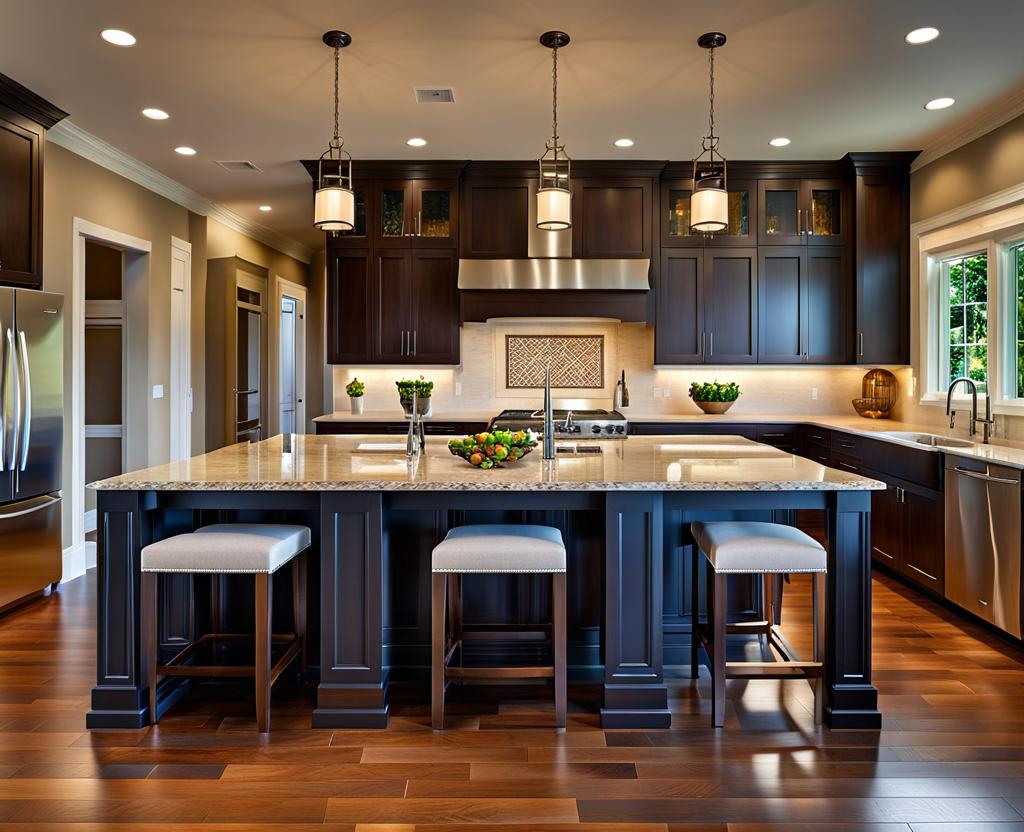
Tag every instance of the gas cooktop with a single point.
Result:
(569, 424)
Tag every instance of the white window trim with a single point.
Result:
(991, 224)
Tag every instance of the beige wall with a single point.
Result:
(989, 164)
(222, 241)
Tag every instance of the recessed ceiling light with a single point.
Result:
(416, 142)
(940, 103)
(155, 114)
(623, 142)
(118, 37)
(265, 208)
(185, 150)
(926, 34)
(780, 141)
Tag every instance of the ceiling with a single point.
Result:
(250, 79)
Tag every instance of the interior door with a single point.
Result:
(286, 365)
(730, 306)
(39, 319)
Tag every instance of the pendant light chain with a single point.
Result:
(554, 96)
(712, 140)
(336, 141)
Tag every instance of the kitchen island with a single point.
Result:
(624, 508)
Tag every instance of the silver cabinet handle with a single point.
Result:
(860, 343)
(414, 341)
(981, 601)
(711, 344)
(978, 475)
(27, 427)
(419, 223)
(922, 572)
(799, 227)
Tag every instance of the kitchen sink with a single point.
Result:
(929, 440)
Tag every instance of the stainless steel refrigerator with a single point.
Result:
(31, 436)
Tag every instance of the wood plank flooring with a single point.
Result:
(950, 757)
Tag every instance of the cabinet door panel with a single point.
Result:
(680, 308)
(730, 306)
(675, 214)
(435, 307)
(781, 308)
(612, 218)
(780, 212)
(392, 225)
(20, 195)
(742, 230)
(392, 304)
(827, 339)
(827, 217)
(358, 237)
(924, 555)
(436, 206)
(494, 219)
(349, 305)
(887, 527)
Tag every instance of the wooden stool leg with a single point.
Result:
(299, 609)
(264, 608)
(150, 636)
(719, 615)
(695, 612)
(558, 644)
(438, 584)
(454, 590)
(768, 591)
(818, 594)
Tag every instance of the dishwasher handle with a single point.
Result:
(978, 475)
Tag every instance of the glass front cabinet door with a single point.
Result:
(826, 212)
(416, 212)
(675, 209)
(798, 212)
(358, 237)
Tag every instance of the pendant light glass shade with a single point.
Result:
(334, 208)
(709, 200)
(554, 197)
(334, 205)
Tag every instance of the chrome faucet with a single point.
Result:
(986, 423)
(415, 439)
(549, 419)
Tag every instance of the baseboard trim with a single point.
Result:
(74, 561)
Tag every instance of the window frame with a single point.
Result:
(944, 345)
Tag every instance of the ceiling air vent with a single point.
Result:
(434, 95)
(243, 166)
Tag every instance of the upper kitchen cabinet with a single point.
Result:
(24, 119)
(495, 213)
(882, 256)
(359, 236)
(675, 215)
(349, 311)
(802, 212)
(679, 329)
(416, 212)
(612, 217)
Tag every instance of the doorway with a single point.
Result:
(289, 394)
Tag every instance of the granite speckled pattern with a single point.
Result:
(366, 463)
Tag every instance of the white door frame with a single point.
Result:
(83, 230)
(181, 351)
(286, 288)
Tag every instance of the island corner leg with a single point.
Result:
(851, 699)
(119, 699)
(635, 694)
(353, 684)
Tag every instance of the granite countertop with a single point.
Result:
(996, 452)
(361, 463)
(397, 415)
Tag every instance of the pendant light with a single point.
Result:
(709, 202)
(554, 199)
(334, 207)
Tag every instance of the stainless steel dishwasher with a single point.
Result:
(983, 540)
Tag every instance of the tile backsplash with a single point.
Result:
(484, 388)
(576, 361)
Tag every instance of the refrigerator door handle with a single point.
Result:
(3, 402)
(16, 388)
(47, 501)
(26, 427)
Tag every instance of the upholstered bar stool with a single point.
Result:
(230, 548)
(768, 549)
(504, 549)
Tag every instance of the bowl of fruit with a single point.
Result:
(494, 450)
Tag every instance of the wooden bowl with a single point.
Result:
(714, 408)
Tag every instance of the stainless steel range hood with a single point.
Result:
(550, 266)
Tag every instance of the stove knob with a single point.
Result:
(620, 429)
(595, 429)
(608, 429)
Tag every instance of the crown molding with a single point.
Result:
(974, 126)
(83, 143)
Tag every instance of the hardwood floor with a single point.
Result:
(950, 756)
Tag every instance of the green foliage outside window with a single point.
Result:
(967, 286)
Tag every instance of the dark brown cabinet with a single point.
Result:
(803, 306)
(907, 533)
(675, 215)
(360, 235)
(887, 532)
(495, 213)
(707, 307)
(613, 217)
(392, 306)
(802, 212)
(24, 120)
(415, 213)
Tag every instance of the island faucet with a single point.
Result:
(986, 423)
(549, 419)
(415, 439)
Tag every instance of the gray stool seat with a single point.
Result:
(227, 547)
(739, 546)
(496, 547)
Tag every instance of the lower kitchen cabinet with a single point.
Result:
(907, 533)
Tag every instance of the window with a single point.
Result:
(966, 342)
(1016, 264)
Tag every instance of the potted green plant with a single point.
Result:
(423, 390)
(713, 397)
(355, 389)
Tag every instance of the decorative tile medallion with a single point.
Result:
(577, 361)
